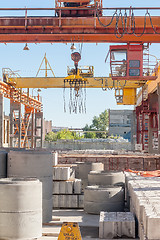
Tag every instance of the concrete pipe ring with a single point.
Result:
(20, 208)
(106, 178)
(103, 198)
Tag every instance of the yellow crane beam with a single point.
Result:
(58, 82)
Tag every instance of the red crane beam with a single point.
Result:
(78, 29)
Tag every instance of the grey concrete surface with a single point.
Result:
(144, 195)
(89, 224)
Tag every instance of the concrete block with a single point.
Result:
(141, 203)
(72, 201)
(55, 158)
(56, 173)
(141, 232)
(61, 173)
(101, 225)
(62, 187)
(72, 169)
(107, 226)
(152, 227)
(72, 172)
(127, 224)
(65, 201)
(65, 173)
(62, 201)
(55, 201)
(80, 201)
(56, 187)
(69, 187)
(116, 224)
(77, 186)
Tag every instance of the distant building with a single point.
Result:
(47, 127)
(77, 130)
(121, 123)
(58, 129)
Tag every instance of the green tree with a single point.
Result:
(99, 123)
(51, 136)
(77, 136)
(90, 135)
(65, 134)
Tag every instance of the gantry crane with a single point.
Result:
(88, 21)
(80, 21)
(83, 77)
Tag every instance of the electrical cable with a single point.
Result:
(123, 19)
(120, 16)
(106, 25)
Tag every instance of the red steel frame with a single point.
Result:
(146, 117)
(73, 29)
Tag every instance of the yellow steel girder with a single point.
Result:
(58, 82)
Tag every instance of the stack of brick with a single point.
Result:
(116, 224)
(144, 197)
(67, 191)
(116, 161)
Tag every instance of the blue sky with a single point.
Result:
(27, 62)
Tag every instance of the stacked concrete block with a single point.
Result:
(61, 173)
(67, 191)
(68, 201)
(144, 194)
(116, 224)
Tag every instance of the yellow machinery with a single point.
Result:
(70, 231)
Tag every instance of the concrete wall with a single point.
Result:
(82, 145)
